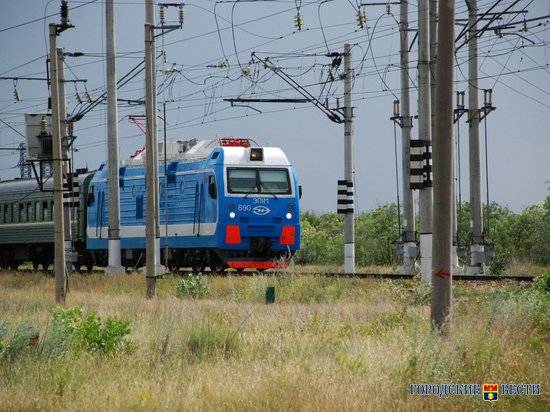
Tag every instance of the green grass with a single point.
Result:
(327, 344)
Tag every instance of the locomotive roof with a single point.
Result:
(198, 150)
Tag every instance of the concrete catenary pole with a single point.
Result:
(443, 171)
(114, 267)
(424, 134)
(409, 235)
(59, 225)
(477, 252)
(150, 148)
(67, 197)
(349, 218)
(150, 18)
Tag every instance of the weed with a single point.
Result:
(542, 283)
(194, 286)
(421, 293)
(209, 338)
(498, 264)
(19, 344)
(75, 329)
(107, 336)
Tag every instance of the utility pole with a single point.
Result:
(408, 236)
(114, 267)
(59, 224)
(424, 132)
(477, 252)
(443, 171)
(150, 149)
(349, 218)
(150, 18)
(67, 188)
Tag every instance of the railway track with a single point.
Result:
(359, 275)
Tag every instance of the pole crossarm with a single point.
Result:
(512, 25)
(332, 114)
(486, 27)
(243, 100)
(43, 79)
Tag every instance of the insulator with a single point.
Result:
(298, 21)
(388, 8)
(488, 97)
(396, 109)
(181, 14)
(64, 13)
(88, 96)
(78, 98)
(70, 128)
(246, 70)
(161, 15)
(460, 100)
(15, 91)
(361, 19)
(524, 25)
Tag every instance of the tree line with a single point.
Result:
(524, 236)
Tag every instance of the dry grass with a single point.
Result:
(328, 344)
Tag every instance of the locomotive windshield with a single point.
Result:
(259, 181)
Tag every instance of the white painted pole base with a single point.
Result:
(160, 269)
(426, 257)
(349, 258)
(455, 266)
(115, 267)
(409, 258)
(477, 259)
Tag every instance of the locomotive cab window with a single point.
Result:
(261, 181)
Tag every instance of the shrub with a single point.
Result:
(542, 283)
(75, 329)
(107, 336)
(498, 264)
(20, 342)
(194, 286)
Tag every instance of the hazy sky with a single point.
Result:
(518, 131)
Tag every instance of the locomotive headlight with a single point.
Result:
(289, 215)
(232, 215)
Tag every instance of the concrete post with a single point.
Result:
(59, 224)
(409, 235)
(424, 132)
(349, 218)
(443, 171)
(114, 267)
(477, 252)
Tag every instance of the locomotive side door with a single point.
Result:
(210, 198)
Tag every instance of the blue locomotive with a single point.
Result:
(223, 204)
